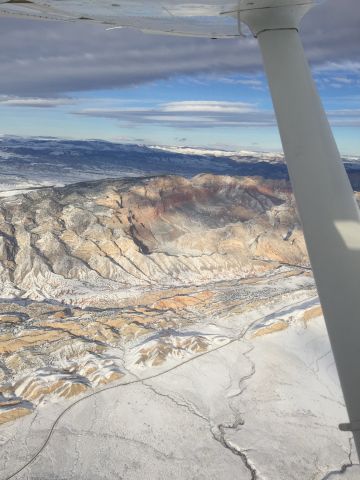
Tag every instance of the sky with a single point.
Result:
(78, 80)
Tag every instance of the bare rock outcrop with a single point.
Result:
(85, 243)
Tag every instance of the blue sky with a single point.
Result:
(132, 114)
(83, 82)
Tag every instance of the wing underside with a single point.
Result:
(204, 19)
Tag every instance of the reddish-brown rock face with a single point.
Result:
(162, 231)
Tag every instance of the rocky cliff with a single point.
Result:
(88, 243)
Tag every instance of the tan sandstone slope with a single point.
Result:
(82, 243)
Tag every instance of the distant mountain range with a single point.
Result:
(30, 163)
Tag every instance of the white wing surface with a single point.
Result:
(204, 18)
(201, 18)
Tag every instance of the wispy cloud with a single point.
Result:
(205, 114)
(212, 106)
(344, 80)
(198, 114)
(345, 117)
(36, 102)
(348, 66)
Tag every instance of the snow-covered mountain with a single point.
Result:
(30, 163)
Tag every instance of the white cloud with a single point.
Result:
(209, 107)
(192, 114)
(180, 118)
(36, 102)
(344, 80)
(205, 114)
(350, 67)
(345, 117)
(250, 82)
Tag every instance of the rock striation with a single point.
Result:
(88, 243)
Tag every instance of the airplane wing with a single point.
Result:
(189, 18)
(196, 18)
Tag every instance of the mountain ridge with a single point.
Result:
(30, 163)
(147, 231)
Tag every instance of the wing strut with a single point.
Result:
(325, 200)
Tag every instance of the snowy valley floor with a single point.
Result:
(246, 389)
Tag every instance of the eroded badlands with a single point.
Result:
(164, 327)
